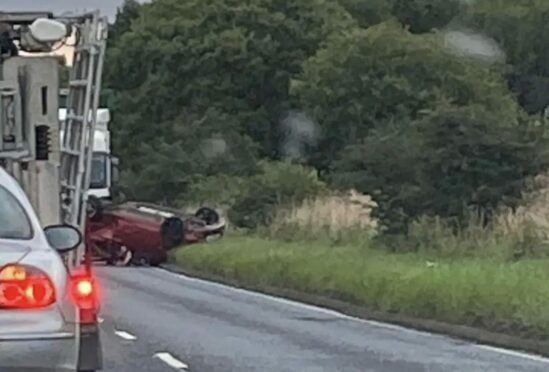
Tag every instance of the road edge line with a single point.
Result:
(479, 336)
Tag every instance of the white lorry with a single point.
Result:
(104, 170)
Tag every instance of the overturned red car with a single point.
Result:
(142, 234)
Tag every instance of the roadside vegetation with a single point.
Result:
(392, 153)
(492, 277)
(492, 294)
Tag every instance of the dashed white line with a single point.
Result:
(125, 335)
(171, 361)
(337, 314)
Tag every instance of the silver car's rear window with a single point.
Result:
(14, 221)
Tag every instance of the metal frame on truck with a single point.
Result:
(53, 169)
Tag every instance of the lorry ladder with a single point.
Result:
(78, 129)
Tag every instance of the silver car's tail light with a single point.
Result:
(25, 287)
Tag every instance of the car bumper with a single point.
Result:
(38, 353)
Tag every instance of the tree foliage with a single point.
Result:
(418, 15)
(444, 163)
(425, 15)
(200, 89)
(520, 27)
(385, 74)
(278, 183)
(181, 60)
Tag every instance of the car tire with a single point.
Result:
(208, 215)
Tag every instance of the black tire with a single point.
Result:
(94, 208)
(208, 215)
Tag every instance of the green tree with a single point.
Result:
(423, 130)
(368, 13)
(425, 15)
(520, 27)
(166, 166)
(125, 15)
(385, 74)
(444, 163)
(419, 15)
(278, 183)
(182, 59)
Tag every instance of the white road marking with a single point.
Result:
(171, 361)
(125, 335)
(518, 354)
(340, 315)
(100, 320)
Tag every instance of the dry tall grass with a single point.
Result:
(516, 233)
(348, 218)
(341, 217)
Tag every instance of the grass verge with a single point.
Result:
(491, 294)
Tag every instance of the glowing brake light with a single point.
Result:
(84, 288)
(84, 295)
(25, 287)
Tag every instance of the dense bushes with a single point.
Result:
(277, 185)
(202, 89)
(446, 163)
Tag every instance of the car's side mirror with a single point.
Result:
(115, 170)
(63, 238)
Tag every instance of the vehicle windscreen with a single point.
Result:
(14, 221)
(98, 178)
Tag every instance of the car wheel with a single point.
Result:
(208, 215)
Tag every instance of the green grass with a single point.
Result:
(494, 294)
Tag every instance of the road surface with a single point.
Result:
(154, 320)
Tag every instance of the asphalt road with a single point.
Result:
(153, 320)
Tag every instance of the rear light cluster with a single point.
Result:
(83, 291)
(25, 287)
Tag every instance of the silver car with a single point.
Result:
(48, 316)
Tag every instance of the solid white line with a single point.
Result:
(340, 315)
(517, 354)
(125, 335)
(171, 361)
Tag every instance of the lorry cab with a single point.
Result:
(104, 170)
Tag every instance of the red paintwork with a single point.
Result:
(139, 232)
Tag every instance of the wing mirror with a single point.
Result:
(115, 169)
(63, 238)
